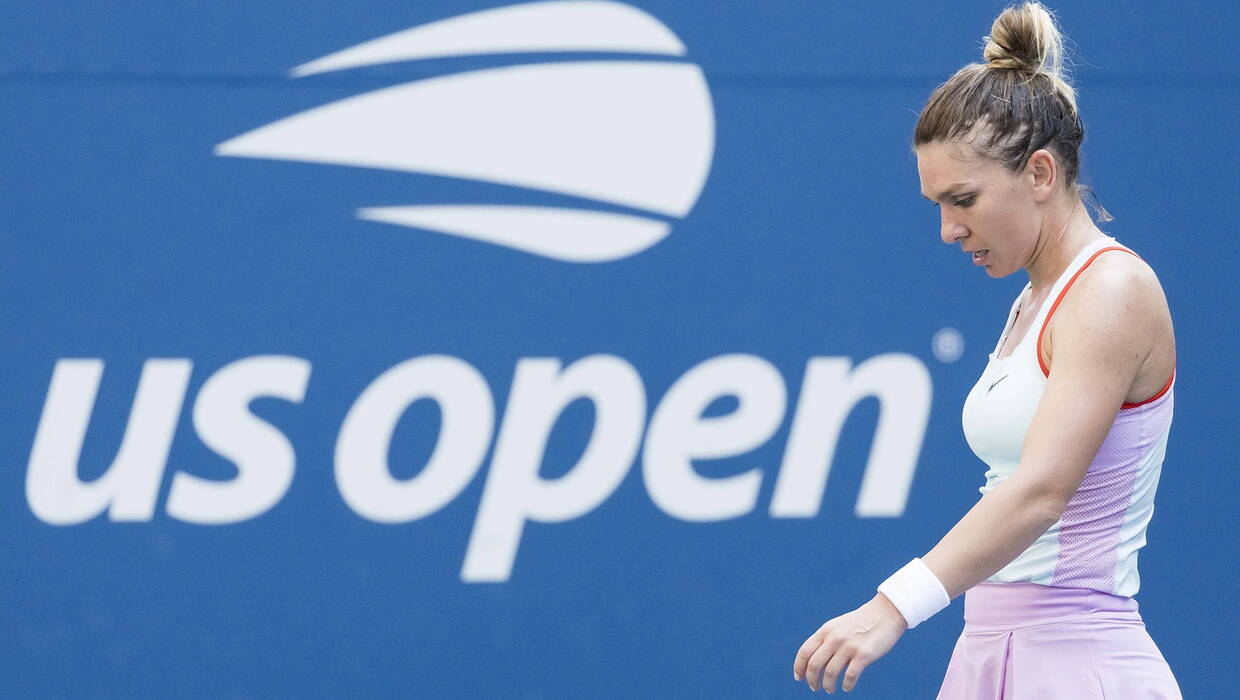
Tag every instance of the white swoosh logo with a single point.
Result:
(639, 134)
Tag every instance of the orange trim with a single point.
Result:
(1045, 322)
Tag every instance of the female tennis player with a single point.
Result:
(1071, 413)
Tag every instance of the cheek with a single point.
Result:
(1001, 224)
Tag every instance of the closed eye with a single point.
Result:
(962, 202)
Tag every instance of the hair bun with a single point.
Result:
(1025, 38)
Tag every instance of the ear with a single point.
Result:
(1043, 170)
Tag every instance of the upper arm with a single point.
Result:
(1103, 332)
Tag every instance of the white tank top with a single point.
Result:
(1095, 543)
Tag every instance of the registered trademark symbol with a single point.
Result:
(947, 344)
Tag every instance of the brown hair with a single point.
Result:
(1015, 103)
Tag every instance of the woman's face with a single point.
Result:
(988, 210)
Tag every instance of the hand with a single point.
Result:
(856, 639)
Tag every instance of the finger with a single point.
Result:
(818, 661)
(855, 667)
(834, 666)
(807, 649)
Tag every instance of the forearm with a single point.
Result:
(994, 532)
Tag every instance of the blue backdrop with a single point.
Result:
(598, 518)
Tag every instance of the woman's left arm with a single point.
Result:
(1103, 333)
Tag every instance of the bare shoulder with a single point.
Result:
(1115, 283)
(1117, 307)
(1105, 313)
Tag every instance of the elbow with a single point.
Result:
(1046, 503)
(1053, 509)
(1049, 504)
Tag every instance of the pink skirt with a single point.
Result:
(1026, 641)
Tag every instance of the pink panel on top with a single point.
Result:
(1090, 526)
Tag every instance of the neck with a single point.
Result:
(1063, 236)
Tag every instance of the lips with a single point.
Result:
(979, 256)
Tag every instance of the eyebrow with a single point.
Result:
(948, 191)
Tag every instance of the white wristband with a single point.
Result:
(916, 592)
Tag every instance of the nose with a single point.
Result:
(951, 230)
